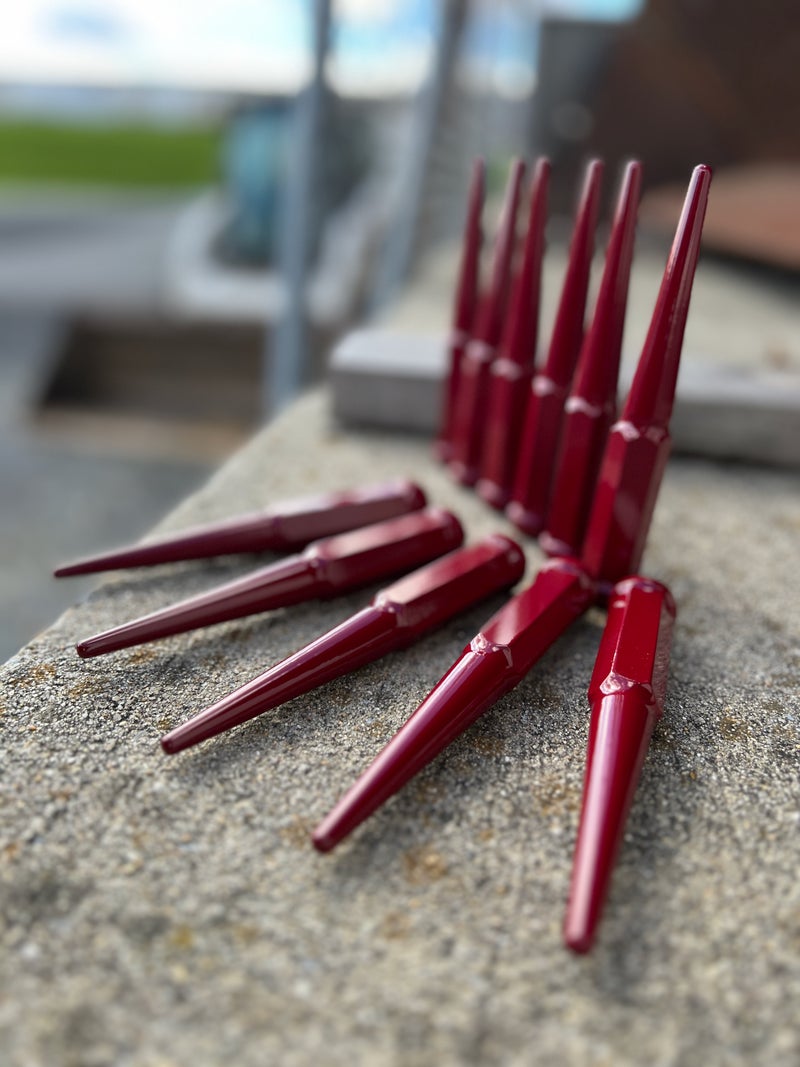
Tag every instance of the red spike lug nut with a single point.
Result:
(627, 699)
(327, 568)
(638, 445)
(480, 351)
(466, 299)
(590, 407)
(495, 661)
(397, 616)
(510, 373)
(281, 528)
(544, 404)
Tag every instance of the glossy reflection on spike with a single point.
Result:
(282, 528)
(627, 698)
(495, 661)
(590, 407)
(544, 404)
(639, 443)
(398, 616)
(326, 569)
(480, 350)
(510, 373)
(465, 306)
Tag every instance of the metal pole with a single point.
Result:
(286, 347)
(399, 256)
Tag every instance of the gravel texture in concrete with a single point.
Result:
(166, 911)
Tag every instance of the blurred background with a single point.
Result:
(197, 199)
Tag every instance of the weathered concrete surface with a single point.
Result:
(164, 911)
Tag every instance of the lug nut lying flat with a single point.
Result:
(327, 568)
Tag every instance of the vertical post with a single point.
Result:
(286, 347)
(400, 252)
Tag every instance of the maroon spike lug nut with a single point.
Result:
(510, 373)
(491, 665)
(544, 405)
(326, 569)
(590, 408)
(397, 617)
(480, 350)
(282, 528)
(627, 698)
(466, 300)
(639, 443)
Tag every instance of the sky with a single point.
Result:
(258, 45)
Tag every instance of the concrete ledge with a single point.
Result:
(171, 911)
(393, 380)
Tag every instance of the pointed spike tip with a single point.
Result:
(568, 327)
(365, 636)
(171, 745)
(652, 392)
(522, 320)
(578, 939)
(579, 945)
(324, 841)
(598, 363)
(497, 295)
(467, 283)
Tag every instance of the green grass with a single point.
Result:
(121, 155)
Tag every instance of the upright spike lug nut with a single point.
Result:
(465, 307)
(544, 405)
(510, 373)
(282, 528)
(639, 443)
(481, 348)
(627, 698)
(326, 569)
(591, 405)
